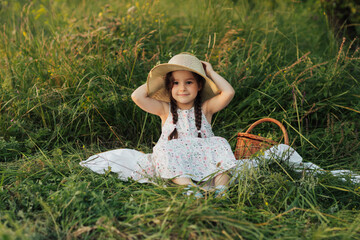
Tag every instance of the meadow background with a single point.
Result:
(68, 68)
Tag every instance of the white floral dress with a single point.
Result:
(188, 156)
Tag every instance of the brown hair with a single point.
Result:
(169, 83)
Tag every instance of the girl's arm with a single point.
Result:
(221, 100)
(141, 98)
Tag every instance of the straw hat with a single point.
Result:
(183, 61)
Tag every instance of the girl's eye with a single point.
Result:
(176, 83)
(189, 82)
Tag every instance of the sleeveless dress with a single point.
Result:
(188, 156)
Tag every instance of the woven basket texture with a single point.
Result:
(248, 145)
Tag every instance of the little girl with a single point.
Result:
(184, 93)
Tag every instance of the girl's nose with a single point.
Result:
(182, 87)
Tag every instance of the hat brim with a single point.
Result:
(156, 82)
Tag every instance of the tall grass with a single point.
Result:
(67, 69)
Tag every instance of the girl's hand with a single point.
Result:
(221, 100)
(207, 67)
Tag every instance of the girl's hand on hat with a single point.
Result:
(208, 68)
(225, 95)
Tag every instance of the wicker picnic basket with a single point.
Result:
(248, 144)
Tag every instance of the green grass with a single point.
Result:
(67, 69)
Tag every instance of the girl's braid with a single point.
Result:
(198, 115)
(174, 134)
(169, 82)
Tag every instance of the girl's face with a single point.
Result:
(185, 89)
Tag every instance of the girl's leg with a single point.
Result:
(222, 179)
(221, 182)
(183, 181)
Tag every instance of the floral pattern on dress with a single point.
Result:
(187, 156)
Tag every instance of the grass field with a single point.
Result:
(67, 69)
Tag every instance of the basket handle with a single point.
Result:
(286, 137)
